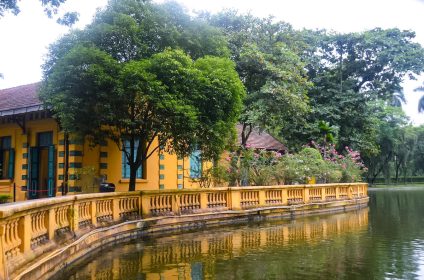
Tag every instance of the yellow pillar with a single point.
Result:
(115, 209)
(235, 199)
(74, 217)
(284, 196)
(203, 201)
(262, 198)
(51, 226)
(3, 267)
(175, 204)
(25, 233)
(306, 195)
(93, 213)
(145, 206)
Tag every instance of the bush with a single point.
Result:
(252, 167)
(330, 173)
(302, 167)
(219, 176)
(4, 198)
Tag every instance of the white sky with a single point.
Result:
(24, 38)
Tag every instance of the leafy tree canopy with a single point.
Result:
(140, 74)
(349, 72)
(267, 59)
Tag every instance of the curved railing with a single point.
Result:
(31, 229)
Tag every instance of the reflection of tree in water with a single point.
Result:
(396, 235)
(201, 255)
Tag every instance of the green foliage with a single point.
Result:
(350, 72)
(220, 176)
(4, 198)
(301, 167)
(312, 153)
(120, 79)
(50, 8)
(88, 179)
(270, 168)
(267, 60)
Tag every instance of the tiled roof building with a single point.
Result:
(38, 159)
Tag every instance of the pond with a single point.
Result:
(384, 241)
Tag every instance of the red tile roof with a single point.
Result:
(261, 140)
(19, 97)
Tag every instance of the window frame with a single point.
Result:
(7, 158)
(125, 167)
(196, 164)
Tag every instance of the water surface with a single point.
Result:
(384, 241)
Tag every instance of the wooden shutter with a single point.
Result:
(51, 172)
(33, 173)
(11, 163)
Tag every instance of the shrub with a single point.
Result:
(330, 172)
(219, 176)
(302, 167)
(4, 198)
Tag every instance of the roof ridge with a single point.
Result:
(14, 87)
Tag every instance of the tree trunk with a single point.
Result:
(133, 175)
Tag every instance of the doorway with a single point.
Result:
(42, 167)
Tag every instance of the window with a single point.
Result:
(45, 139)
(195, 164)
(125, 165)
(7, 158)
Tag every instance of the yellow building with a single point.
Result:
(36, 159)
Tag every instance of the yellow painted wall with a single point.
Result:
(164, 171)
(21, 143)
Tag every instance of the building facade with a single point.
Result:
(38, 160)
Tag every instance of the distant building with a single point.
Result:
(37, 161)
(261, 140)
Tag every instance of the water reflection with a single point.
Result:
(273, 250)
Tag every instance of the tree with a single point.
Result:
(267, 60)
(418, 152)
(349, 72)
(120, 79)
(50, 8)
(391, 125)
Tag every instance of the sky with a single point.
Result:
(26, 37)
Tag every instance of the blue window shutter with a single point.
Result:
(51, 172)
(11, 163)
(195, 164)
(6, 142)
(33, 172)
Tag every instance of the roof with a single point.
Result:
(23, 99)
(20, 99)
(261, 140)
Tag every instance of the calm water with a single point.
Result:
(384, 241)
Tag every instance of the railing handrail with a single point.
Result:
(10, 209)
(29, 228)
